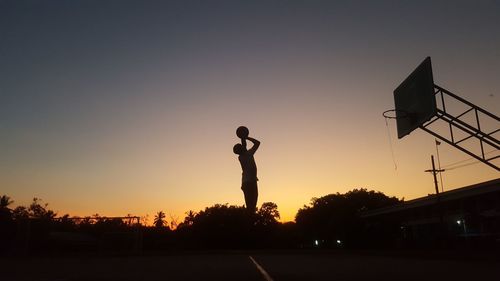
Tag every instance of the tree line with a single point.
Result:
(329, 221)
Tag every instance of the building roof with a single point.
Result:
(455, 194)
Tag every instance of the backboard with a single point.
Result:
(414, 99)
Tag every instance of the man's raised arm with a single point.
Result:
(255, 146)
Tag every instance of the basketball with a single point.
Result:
(242, 132)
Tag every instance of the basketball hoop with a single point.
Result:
(395, 114)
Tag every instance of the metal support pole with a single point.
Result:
(471, 129)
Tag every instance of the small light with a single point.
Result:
(459, 222)
(316, 242)
(339, 242)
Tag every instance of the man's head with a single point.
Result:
(238, 149)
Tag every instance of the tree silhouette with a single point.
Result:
(65, 223)
(38, 211)
(20, 213)
(5, 211)
(5, 201)
(221, 226)
(35, 211)
(230, 226)
(268, 214)
(189, 219)
(7, 224)
(336, 216)
(159, 220)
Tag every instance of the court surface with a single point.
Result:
(248, 266)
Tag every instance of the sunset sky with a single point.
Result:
(130, 107)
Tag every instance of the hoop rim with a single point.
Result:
(395, 114)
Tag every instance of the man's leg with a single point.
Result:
(255, 195)
(251, 194)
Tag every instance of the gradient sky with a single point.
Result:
(118, 107)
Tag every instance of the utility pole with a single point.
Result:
(438, 143)
(442, 233)
(434, 172)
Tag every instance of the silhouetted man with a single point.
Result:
(249, 177)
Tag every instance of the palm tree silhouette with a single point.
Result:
(190, 217)
(5, 211)
(5, 201)
(159, 220)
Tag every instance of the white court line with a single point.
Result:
(262, 271)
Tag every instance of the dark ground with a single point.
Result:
(285, 265)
